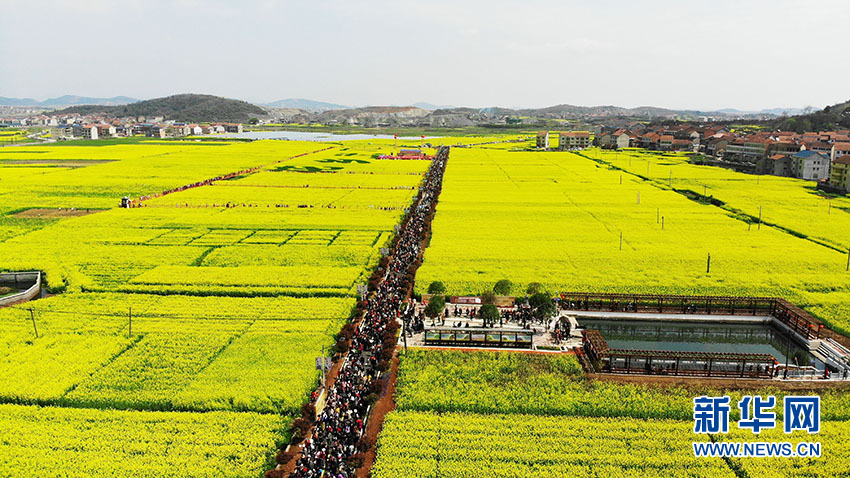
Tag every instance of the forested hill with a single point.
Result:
(186, 107)
(829, 118)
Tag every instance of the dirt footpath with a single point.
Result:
(51, 213)
(384, 405)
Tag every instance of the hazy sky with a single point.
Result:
(676, 54)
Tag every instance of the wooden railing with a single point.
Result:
(787, 313)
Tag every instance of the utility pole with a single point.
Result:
(32, 316)
(787, 354)
(759, 228)
(323, 366)
(708, 264)
(621, 240)
(671, 178)
(848, 262)
(404, 334)
(657, 215)
(662, 223)
(621, 179)
(638, 197)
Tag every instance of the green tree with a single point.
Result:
(253, 121)
(542, 306)
(533, 288)
(489, 313)
(503, 287)
(435, 306)
(436, 288)
(488, 297)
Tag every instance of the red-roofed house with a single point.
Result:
(819, 147)
(746, 150)
(777, 165)
(840, 149)
(649, 140)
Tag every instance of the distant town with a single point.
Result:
(822, 156)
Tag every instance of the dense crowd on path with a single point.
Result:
(340, 425)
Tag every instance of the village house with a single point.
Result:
(105, 130)
(746, 150)
(784, 146)
(568, 140)
(84, 131)
(178, 130)
(820, 147)
(839, 176)
(810, 165)
(649, 140)
(543, 140)
(685, 144)
(60, 132)
(839, 150)
(776, 165)
(228, 127)
(716, 146)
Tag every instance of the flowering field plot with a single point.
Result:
(46, 369)
(174, 308)
(793, 204)
(263, 196)
(537, 415)
(13, 226)
(239, 378)
(179, 357)
(82, 442)
(501, 382)
(59, 181)
(461, 445)
(149, 374)
(12, 136)
(293, 254)
(339, 277)
(558, 219)
(833, 437)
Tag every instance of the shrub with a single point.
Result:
(503, 287)
(437, 288)
(435, 306)
(282, 457)
(308, 411)
(489, 313)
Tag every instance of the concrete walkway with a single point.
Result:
(740, 319)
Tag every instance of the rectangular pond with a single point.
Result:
(712, 337)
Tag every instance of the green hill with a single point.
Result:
(186, 107)
(829, 118)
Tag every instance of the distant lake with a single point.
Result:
(310, 136)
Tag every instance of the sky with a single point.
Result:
(679, 54)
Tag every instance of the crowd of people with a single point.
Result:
(341, 423)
